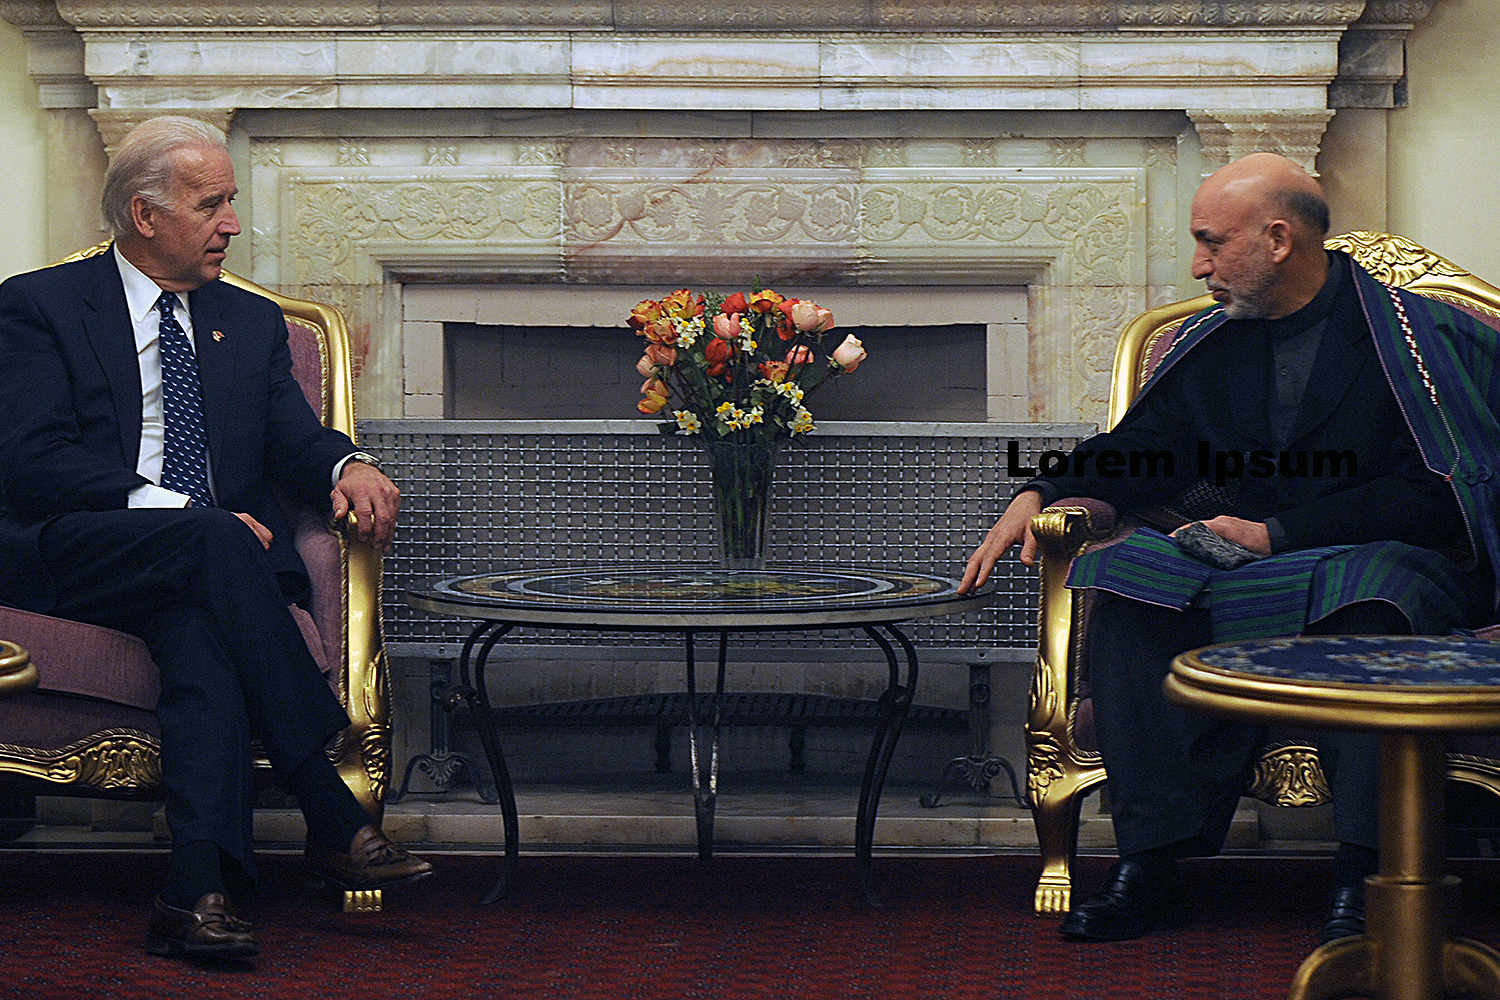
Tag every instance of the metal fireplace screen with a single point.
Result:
(484, 496)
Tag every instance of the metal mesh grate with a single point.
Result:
(482, 496)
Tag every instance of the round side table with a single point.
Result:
(1410, 690)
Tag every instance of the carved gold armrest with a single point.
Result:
(365, 748)
(17, 673)
(1058, 772)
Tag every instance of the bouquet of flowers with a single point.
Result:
(734, 372)
(736, 367)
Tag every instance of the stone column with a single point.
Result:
(115, 123)
(1229, 135)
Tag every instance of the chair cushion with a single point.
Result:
(96, 662)
(48, 720)
(74, 658)
(307, 364)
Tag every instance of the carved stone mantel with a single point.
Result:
(824, 55)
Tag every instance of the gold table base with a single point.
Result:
(1411, 690)
(1408, 952)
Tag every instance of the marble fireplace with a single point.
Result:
(1025, 164)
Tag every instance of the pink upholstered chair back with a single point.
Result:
(309, 361)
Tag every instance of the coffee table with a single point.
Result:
(1411, 690)
(689, 600)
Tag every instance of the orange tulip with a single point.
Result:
(653, 396)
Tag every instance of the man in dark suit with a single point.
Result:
(146, 411)
(1305, 354)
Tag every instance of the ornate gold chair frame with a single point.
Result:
(1059, 770)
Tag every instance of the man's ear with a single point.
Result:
(1279, 233)
(143, 215)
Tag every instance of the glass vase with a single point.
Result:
(741, 472)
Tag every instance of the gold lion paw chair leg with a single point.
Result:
(87, 726)
(1062, 760)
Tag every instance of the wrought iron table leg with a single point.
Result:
(705, 772)
(977, 773)
(894, 704)
(479, 703)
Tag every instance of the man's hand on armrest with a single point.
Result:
(372, 499)
(1014, 526)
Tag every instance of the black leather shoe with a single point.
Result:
(1346, 914)
(1132, 903)
(208, 930)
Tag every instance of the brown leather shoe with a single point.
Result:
(208, 930)
(373, 862)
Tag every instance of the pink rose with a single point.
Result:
(799, 355)
(727, 327)
(645, 367)
(849, 354)
(660, 354)
(809, 317)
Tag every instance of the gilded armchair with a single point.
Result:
(88, 727)
(1062, 762)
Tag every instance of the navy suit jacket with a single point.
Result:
(70, 412)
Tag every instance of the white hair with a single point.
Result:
(143, 165)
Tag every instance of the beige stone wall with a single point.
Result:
(24, 150)
(1446, 145)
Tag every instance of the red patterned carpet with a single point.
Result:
(785, 927)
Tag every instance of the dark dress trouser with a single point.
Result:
(196, 586)
(1175, 776)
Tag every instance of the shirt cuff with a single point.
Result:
(355, 456)
(151, 495)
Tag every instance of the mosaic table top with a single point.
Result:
(698, 595)
(1354, 682)
(1412, 661)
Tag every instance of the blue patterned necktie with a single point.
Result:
(185, 459)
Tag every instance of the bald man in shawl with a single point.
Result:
(1304, 353)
